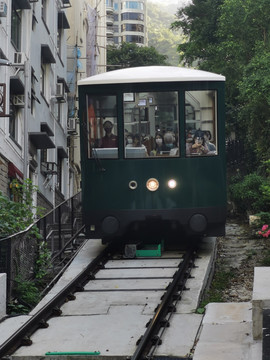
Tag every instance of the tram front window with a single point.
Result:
(102, 127)
(151, 124)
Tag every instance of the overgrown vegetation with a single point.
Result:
(132, 55)
(16, 215)
(220, 282)
(231, 37)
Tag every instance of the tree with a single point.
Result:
(198, 22)
(132, 55)
(232, 37)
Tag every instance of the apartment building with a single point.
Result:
(86, 56)
(33, 88)
(126, 22)
(46, 46)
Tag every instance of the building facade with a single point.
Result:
(33, 87)
(46, 46)
(86, 56)
(126, 22)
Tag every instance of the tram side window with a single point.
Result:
(151, 124)
(102, 127)
(201, 123)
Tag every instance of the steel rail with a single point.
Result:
(155, 323)
(27, 329)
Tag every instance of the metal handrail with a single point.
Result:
(19, 252)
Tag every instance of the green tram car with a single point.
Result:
(153, 154)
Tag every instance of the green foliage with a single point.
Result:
(232, 37)
(160, 36)
(247, 194)
(18, 215)
(219, 284)
(132, 55)
(43, 261)
(266, 259)
(26, 292)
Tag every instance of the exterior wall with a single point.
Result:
(86, 50)
(39, 113)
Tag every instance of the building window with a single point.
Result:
(59, 41)
(132, 27)
(132, 5)
(43, 79)
(13, 122)
(132, 16)
(133, 39)
(44, 10)
(44, 155)
(109, 3)
(59, 173)
(16, 20)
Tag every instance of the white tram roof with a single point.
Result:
(151, 74)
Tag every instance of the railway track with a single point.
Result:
(116, 307)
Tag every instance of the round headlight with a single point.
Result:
(152, 184)
(172, 183)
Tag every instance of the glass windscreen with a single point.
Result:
(102, 127)
(201, 122)
(151, 124)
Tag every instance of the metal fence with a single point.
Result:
(58, 230)
(238, 158)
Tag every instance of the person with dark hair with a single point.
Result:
(159, 145)
(129, 140)
(109, 140)
(207, 138)
(198, 145)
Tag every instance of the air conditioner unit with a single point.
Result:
(19, 58)
(18, 100)
(72, 125)
(59, 90)
(3, 9)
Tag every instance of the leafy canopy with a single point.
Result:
(132, 55)
(232, 37)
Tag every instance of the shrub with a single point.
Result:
(17, 215)
(250, 194)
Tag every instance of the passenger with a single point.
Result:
(138, 143)
(129, 140)
(170, 147)
(109, 140)
(189, 136)
(211, 146)
(159, 145)
(198, 145)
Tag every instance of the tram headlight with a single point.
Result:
(172, 184)
(152, 184)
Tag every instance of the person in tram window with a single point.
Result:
(198, 145)
(109, 140)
